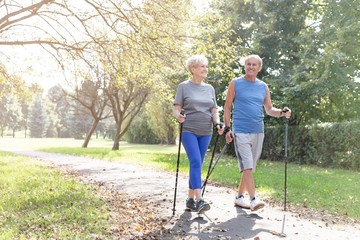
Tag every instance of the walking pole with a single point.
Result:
(286, 154)
(177, 164)
(213, 167)
(210, 164)
(282, 234)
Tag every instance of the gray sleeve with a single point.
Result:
(179, 99)
(214, 96)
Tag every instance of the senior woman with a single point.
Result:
(197, 100)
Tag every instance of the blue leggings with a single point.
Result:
(195, 147)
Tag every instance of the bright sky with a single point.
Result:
(34, 65)
(200, 4)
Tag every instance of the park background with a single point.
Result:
(110, 71)
(107, 70)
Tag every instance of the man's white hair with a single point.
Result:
(243, 60)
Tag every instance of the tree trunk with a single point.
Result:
(89, 134)
(117, 138)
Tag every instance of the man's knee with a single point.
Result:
(247, 171)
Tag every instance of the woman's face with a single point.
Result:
(200, 70)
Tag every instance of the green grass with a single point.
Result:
(39, 203)
(333, 190)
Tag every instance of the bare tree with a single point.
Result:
(91, 96)
(148, 34)
(133, 64)
(72, 26)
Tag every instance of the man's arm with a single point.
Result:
(228, 108)
(273, 111)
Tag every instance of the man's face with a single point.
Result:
(252, 67)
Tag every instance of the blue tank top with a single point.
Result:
(248, 113)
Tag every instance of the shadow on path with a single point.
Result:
(193, 226)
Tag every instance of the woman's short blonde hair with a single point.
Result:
(253, 56)
(195, 60)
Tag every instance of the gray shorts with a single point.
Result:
(248, 148)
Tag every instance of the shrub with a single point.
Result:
(140, 132)
(326, 145)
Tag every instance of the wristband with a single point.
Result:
(220, 124)
(226, 130)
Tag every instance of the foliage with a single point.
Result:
(140, 132)
(52, 128)
(315, 64)
(161, 99)
(333, 145)
(214, 37)
(129, 42)
(337, 145)
(93, 103)
(310, 51)
(38, 120)
(137, 56)
(62, 110)
(13, 85)
(79, 122)
(306, 52)
(15, 95)
(10, 113)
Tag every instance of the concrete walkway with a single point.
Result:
(223, 221)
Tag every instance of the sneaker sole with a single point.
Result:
(190, 210)
(204, 209)
(245, 207)
(257, 207)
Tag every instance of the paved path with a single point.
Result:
(223, 221)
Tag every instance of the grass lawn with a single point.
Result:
(41, 203)
(333, 190)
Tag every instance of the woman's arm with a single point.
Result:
(178, 113)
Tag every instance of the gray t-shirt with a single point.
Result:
(197, 100)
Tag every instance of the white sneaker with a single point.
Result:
(242, 202)
(256, 204)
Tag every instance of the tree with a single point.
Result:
(53, 119)
(13, 91)
(12, 84)
(154, 29)
(14, 114)
(127, 91)
(134, 64)
(48, 23)
(38, 120)
(5, 113)
(79, 122)
(306, 53)
(94, 101)
(330, 61)
(71, 29)
(162, 125)
(25, 110)
(216, 38)
(62, 109)
(140, 132)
